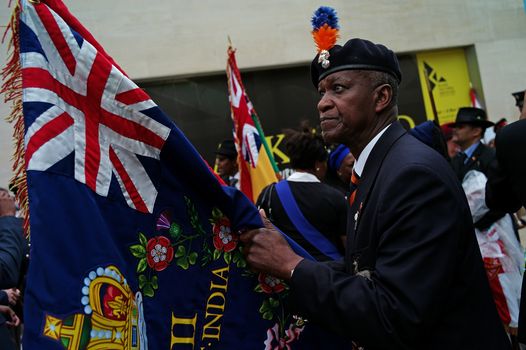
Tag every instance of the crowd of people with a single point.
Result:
(412, 235)
(431, 256)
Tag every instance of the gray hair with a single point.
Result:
(380, 78)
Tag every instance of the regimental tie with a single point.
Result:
(355, 179)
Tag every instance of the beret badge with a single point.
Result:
(325, 32)
(323, 58)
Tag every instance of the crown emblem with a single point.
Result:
(113, 316)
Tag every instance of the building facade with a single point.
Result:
(176, 51)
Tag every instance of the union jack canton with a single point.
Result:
(96, 111)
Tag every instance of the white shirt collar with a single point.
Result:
(362, 159)
(302, 177)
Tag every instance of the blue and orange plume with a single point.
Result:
(325, 28)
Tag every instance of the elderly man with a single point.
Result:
(412, 277)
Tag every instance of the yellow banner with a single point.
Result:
(448, 76)
(262, 175)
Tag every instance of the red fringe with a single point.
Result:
(12, 91)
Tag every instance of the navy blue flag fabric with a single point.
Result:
(134, 239)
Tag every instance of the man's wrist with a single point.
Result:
(292, 266)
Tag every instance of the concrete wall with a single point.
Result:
(502, 66)
(167, 38)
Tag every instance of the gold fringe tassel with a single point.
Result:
(12, 91)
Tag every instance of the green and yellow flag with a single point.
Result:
(257, 166)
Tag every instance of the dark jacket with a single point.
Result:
(12, 252)
(506, 186)
(322, 206)
(481, 160)
(413, 277)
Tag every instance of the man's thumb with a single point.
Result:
(266, 221)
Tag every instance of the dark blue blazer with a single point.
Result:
(413, 276)
(506, 186)
(11, 253)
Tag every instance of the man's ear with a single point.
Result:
(384, 96)
(479, 132)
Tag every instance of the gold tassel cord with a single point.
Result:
(12, 90)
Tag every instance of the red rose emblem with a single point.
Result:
(224, 239)
(159, 253)
(270, 284)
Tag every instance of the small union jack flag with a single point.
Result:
(78, 101)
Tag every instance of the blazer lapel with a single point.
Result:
(474, 157)
(368, 178)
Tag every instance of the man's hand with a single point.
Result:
(7, 204)
(267, 251)
(13, 295)
(12, 318)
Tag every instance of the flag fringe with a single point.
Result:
(11, 88)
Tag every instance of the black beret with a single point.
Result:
(357, 54)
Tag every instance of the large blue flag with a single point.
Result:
(134, 239)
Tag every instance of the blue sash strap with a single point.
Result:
(305, 228)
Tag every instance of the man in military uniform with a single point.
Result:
(412, 276)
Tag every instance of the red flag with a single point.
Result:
(256, 164)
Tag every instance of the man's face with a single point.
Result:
(465, 135)
(346, 107)
(226, 166)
